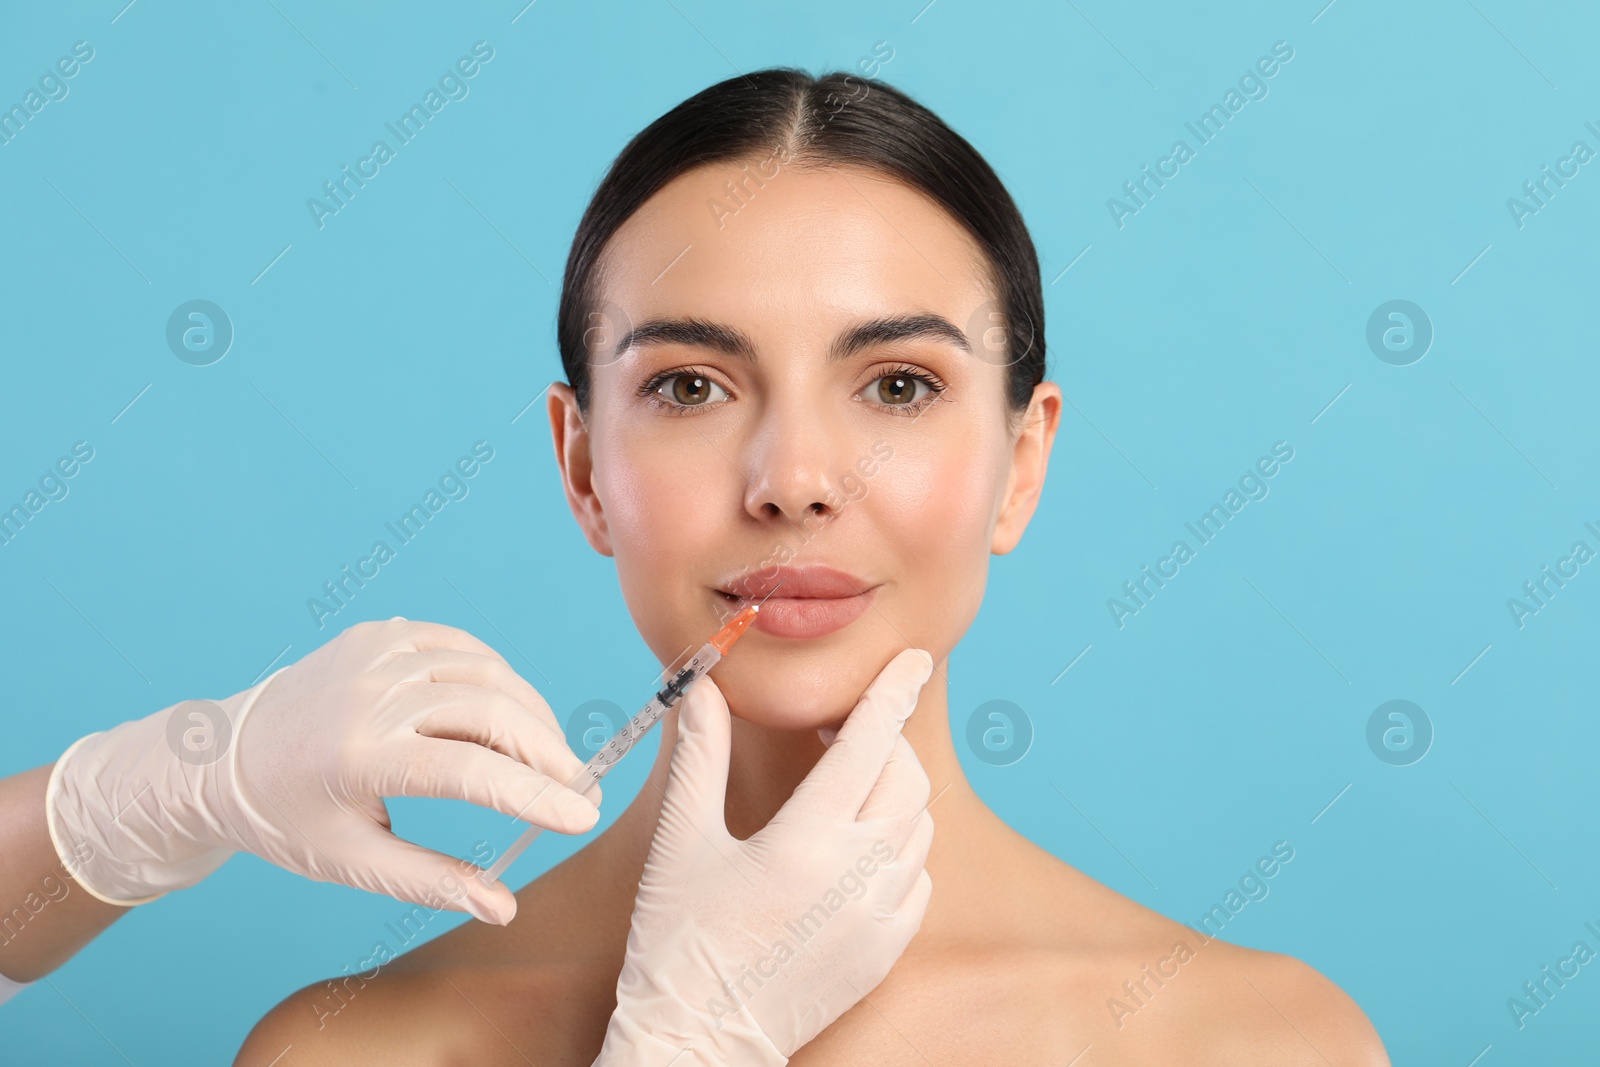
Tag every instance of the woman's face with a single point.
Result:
(753, 432)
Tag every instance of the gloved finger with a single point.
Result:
(697, 781)
(909, 914)
(846, 774)
(902, 789)
(888, 939)
(491, 718)
(398, 868)
(472, 668)
(897, 877)
(419, 636)
(431, 767)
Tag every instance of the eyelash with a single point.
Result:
(936, 387)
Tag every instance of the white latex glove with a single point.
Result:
(740, 952)
(294, 769)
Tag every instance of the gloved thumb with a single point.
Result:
(406, 871)
(697, 782)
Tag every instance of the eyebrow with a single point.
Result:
(700, 333)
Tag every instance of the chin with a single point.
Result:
(794, 690)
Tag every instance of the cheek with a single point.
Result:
(663, 508)
(636, 491)
(939, 507)
(940, 501)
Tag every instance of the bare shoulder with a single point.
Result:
(1138, 987)
(537, 990)
(437, 1015)
(1246, 1006)
(355, 1019)
(1306, 1001)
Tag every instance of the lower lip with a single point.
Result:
(802, 617)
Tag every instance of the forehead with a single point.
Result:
(806, 249)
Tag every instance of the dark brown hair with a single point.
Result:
(836, 119)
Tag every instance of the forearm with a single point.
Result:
(45, 916)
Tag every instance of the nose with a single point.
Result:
(794, 468)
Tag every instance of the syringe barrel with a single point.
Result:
(601, 762)
(622, 742)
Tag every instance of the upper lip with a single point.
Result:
(813, 581)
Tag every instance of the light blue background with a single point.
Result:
(1226, 315)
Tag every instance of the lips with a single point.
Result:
(810, 582)
(801, 602)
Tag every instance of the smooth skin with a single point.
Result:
(49, 916)
(1019, 953)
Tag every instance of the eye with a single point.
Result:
(676, 391)
(904, 389)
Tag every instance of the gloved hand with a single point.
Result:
(294, 769)
(740, 952)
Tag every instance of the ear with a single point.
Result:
(1030, 458)
(574, 458)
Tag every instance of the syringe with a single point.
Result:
(602, 762)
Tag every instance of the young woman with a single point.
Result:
(803, 334)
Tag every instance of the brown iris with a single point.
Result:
(691, 389)
(897, 389)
